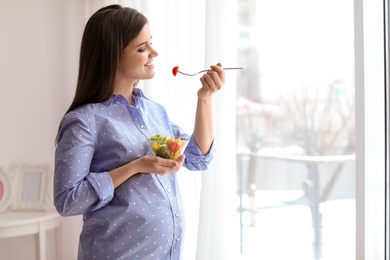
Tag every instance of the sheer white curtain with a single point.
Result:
(193, 35)
(217, 231)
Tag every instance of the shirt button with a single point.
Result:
(169, 190)
(142, 126)
(177, 239)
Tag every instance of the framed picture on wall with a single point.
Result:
(32, 187)
(5, 191)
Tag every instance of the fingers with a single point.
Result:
(158, 165)
(219, 70)
(164, 166)
(217, 73)
(212, 81)
(214, 78)
(167, 163)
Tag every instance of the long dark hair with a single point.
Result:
(106, 35)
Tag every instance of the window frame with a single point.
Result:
(371, 131)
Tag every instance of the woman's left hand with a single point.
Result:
(212, 81)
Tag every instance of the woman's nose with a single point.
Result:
(154, 53)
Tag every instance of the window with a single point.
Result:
(296, 129)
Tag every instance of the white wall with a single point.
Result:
(39, 48)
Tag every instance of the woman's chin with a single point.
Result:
(150, 75)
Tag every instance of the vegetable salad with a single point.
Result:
(167, 147)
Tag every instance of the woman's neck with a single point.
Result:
(125, 89)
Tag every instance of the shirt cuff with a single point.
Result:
(195, 160)
(103, 186)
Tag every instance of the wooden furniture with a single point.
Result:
(21, 223)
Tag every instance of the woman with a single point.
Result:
(104, 165)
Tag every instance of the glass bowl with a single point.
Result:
(167, 147)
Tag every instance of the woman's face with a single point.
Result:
(137, 59)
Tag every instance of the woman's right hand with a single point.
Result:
(158, 165)
(147, 163)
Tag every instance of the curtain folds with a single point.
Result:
(193, 35)
(218, 225)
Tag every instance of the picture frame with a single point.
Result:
(32, 187)
(5, 191)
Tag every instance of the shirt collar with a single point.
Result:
(137, 93)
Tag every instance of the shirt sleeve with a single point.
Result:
(76, 189)
(195, 160)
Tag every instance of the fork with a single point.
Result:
(176, 70)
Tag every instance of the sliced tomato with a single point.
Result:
(175, 70)
(173, 147)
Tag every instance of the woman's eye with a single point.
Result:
(145, 47)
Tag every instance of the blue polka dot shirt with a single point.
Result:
(143, 217)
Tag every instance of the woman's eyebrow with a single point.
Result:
(142, 43)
